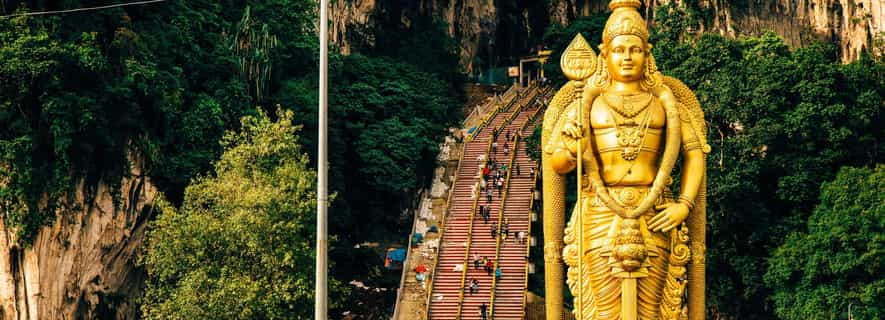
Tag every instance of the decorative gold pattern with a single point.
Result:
(578, 60)
(628, 106)
(690, 107)
(631, 137)
(625, 20)
(554, 205)
(671, 301)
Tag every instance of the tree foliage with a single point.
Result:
(241, 245)
(80, 94)
(533, 144)
(838, 261)
(386, 119)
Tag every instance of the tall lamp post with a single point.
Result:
(321, 308)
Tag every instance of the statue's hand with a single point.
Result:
(672, 215)
(572, 132)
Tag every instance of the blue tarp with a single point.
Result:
(417, 238)
(397, 255)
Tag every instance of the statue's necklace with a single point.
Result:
(628, 106)
(631, 136)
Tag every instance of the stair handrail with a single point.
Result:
(533, 116)
(500, 221)
(511, 97)
(528, 242)
(479, 109)
(431, 276)
(499, 107)
(491, 115)
(469, 240)
(521, 106)
(516, 139)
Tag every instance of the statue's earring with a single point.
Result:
(652, 75)
(602, 76)
(650, 67)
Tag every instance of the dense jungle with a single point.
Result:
(158, 161)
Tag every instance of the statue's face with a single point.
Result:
(626, 58)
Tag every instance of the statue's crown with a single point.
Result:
(614, 4)
(624, 20)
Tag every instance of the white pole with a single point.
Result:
(321, 303)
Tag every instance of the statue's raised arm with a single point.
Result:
(632, 245)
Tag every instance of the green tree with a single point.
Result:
(838, 261)
(386, 120)
(80, 94)
(240, 246)
(533, 144)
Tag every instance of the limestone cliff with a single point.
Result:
(857, 25)
(82, 266)
(353, 22)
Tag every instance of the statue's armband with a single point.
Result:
(690, 140)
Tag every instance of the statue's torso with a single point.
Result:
(638, 165)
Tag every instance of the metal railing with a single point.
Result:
(515, 139)
(506, 96)
(508, 102)
(522, 104)
(500, 221)
(510, 96)
(469, 241)
(528, 242)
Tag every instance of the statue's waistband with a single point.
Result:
(630, 196)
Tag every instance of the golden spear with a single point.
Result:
(578, 63)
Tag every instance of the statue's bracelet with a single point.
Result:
(687, 202)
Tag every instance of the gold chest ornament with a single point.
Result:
(631, 136)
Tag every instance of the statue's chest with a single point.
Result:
(627, 130)
(611, 112)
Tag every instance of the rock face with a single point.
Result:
(857, 25)
(83, 265)
(351, 24)
(470, 21)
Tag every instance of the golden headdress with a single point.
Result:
(624, 20)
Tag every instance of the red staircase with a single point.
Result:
(446, 299)
(509, 294)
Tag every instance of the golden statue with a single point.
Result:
(631, 247)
